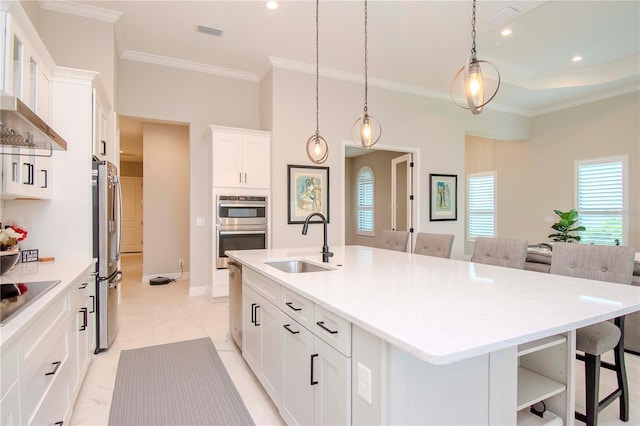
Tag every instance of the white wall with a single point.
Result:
(536, 176)
(166, 198)
(157, 92)
(436, 128)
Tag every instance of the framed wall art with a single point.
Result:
(443, 197)
(307, 192)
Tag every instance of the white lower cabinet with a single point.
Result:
(262, 343)
(317, 380)
(307, 373)
(10, 406)
(44, 364)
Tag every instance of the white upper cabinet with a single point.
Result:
(241, 158)
(26, 74)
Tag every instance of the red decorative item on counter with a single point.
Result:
(19, 231)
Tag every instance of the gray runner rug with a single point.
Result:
(182, 383)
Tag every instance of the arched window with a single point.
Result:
(364, 202)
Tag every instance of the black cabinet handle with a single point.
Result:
(290, 330)
(321, 325)
(55, 368)
(253, 313)
(60, 423)
(83, 327)
(103, 147)
(93, 304)
(83, 286)
(290, 305)
(313, 382)
(256, 323)
(45, 176)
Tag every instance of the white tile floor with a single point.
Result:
(151, 315)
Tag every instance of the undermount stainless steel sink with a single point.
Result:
(296, 266)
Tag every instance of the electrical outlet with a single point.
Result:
(180, 262)
(364, 383)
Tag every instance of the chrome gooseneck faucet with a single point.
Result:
(326, 254)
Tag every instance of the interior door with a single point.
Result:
(131, 214)
(402, 195)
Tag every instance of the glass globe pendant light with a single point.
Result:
(474, 83)
(366, 131)
(317, 147)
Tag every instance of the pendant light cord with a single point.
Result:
(473, 30)
(317, 69)
(366, 54)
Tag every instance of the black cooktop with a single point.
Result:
(17, 296)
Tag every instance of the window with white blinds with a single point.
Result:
(364, 202)
(600, 197)
(481, 215)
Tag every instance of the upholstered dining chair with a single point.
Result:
(603, 263)
(507, 252)
(394, 240)
(438, 245)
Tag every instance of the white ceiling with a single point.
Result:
(413, 46)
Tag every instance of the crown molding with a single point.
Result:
(83, 10)
(381, 83)
(587, 100)
(132, 55)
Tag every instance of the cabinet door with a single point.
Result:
(42, 177)
(271, 342)
(99, 128)
(251, 328)
(332, 403)
(227, 160)
(256, 162)
(297, 402)
(10, 407)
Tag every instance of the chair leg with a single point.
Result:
(621, 372)
(592, 385)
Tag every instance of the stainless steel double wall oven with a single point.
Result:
(241, 224)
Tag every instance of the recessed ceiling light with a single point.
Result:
(272, 5)
(506, 32)
(576, 58)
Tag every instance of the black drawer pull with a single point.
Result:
(60, 423)
(83, 327)
(290, 305)
(290, 330)
(321, 325)
(55, 369)
(313, 382)
(93, 304)
(253, 313)
(83, 286)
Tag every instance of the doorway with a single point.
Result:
(393, 175)
(131, 214)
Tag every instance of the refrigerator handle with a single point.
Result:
(118, 195)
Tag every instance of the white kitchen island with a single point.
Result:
(445, 341)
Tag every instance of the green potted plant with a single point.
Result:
(564, 227)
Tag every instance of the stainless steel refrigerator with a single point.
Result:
(107, 236)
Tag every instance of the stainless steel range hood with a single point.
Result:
(20, 127)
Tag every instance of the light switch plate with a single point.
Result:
(364, 383)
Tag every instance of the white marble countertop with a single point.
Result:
(65, 270)
(443, 310)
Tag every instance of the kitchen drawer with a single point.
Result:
(55, 408)
(30, 342)
(333, 329)
(8, 366)
(10, 407)
(297, 307)
(266, 287)
(43, 369)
